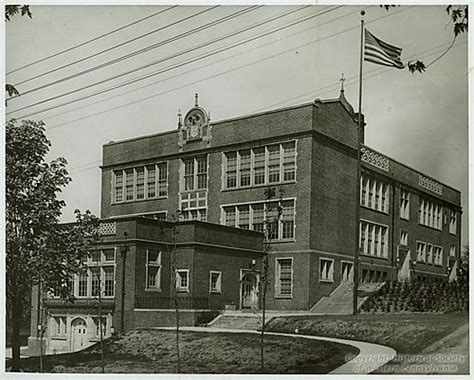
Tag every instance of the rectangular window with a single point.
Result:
(258, 217)
(98, 325)
(289, 161)
(182, 280)
(244, 217)
(404, 238)
(140, 182)
(429, 253)
(373, 239)
(231, 172)
(326, 270)
(60, 326)
(129, 184)
(162, 180)
(95, 281)
(430, 214)
(452, 222)
(151, 181)
(284, 277)
(118, 185)
(421, 252)
(229, 213)
(189, 175)
(452, 251)
(259, 166)
(82, 285)
(244, 168)
(438, 255)
(201, 163)
(288, 219)
(109, 254)
(215, 281)
(374, 194)
(153, 269)
(274, 163)
(109, 281)
(404, 204)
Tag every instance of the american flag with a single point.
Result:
(381, 53)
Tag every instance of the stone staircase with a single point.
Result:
(236, 320)
(341, 299)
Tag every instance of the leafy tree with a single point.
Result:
(10, 11)
(458, 16)
(39, 250)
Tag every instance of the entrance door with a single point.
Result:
(346, 272)
(79, 334)
(249, 292)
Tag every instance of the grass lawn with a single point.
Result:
(153, 351)
(406, 333)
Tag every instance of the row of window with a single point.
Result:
(58, 326)
(141, 182)
(276, 216)
(260, 166)
(431, 214)
(428, 253)
(374, 194)
(153, 275)
(373, 239)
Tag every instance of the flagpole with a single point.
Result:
(357, 204)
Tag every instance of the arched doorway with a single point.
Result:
(79, 338)
(249, 291)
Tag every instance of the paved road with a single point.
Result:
(370, 357)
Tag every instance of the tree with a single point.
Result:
(40, 251)
(10, 11)
(458, 16)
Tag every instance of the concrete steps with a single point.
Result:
(341, 299)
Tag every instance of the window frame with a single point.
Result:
(330, 278)
(218, 288)
(179, 288)
(144, 182)
(154, 264)
(278, 287)
(370, 237)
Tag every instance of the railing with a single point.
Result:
(153, 302)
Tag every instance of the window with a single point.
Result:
(403, 237)
(193, 197)
(153, 269)
(215, 282)
(59, 327)
(194, 205)
(284, 276)
(452, 251)
(421, 252)
(258, 166)
(276, 216)
(373, 194)
(195, 173)
(140, 182)
(326, 270)
(429, 253)
(438, 255)
(404, 204)
(373, 239)
(99, 275)
(430, 214)
(97, 325)
(182, 280)
(452, 222)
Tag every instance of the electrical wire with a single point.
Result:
(91, 40)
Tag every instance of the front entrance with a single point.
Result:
(346, 271)
(79, 339)
(249, 291)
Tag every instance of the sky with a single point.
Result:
(418, 119)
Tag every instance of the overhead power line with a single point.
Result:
(374, 72)
(91, 40)
(218, 61)
(103, 52)
(206, 55)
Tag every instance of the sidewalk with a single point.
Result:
(370, 357)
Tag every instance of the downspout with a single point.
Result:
(122, 302)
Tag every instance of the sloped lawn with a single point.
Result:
(408, 334)
(153, 351)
